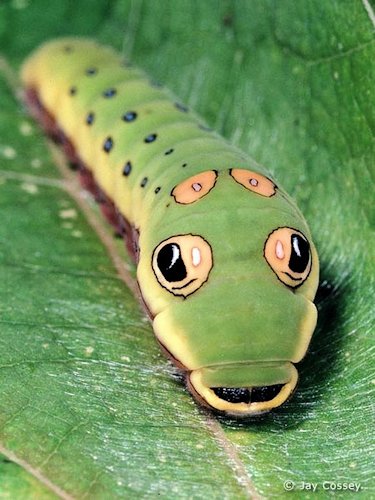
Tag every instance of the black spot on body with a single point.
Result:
(150, 138)
(144, 182)
(127, 169)
(90, 118)
(108, 144)
(73, 90)
(184, 165)
(110, 92)
(91, 71)
(300, 253)
(129, 116)
(170, 263)
(170, 151)
(157, 190)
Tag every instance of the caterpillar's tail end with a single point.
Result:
(241, 401)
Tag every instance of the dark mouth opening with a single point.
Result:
(247, 394)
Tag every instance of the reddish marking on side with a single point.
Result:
(48, 123)
(122, 226)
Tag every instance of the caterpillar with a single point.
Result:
(225, 261)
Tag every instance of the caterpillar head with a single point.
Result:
(233, 289)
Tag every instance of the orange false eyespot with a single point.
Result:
(194, 188)
(288, 253)
(257, 183)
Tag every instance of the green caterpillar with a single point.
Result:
(225, 260)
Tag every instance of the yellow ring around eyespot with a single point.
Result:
(277, 251)
(191, 246)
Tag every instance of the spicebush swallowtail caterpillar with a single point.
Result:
(225, 260)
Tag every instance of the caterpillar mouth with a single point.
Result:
(248, 394)
(249, 399)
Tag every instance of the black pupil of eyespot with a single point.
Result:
(170, 263)
(300, 253)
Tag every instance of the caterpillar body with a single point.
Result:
(225, 261)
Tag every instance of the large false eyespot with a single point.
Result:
(194, 188)
(182, 263)
(288, 253)
(253, 181)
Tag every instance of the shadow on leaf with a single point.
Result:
(316, 369)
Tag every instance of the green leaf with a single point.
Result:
(16, 482)
(88, 405)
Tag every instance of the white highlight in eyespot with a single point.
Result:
(296, 247)
(175, 256)
(280, 254)
(196, 256)
(254, 182)
(197, 187)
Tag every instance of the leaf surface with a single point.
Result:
(88, 405)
